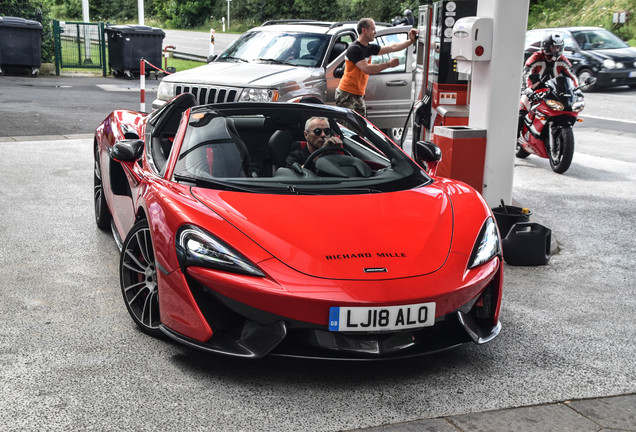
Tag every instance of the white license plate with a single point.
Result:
(381, 318)
(632, 74)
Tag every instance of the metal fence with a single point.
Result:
(79, 46)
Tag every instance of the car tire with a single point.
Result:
(102, 213)
(138, 279)
(584, 74)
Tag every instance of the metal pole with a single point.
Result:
(142, 85)
(228, 14)
(86, 33)
(140, 11)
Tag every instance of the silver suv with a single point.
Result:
(292, 59)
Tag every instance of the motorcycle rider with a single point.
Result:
(408, 19)
(548, 63)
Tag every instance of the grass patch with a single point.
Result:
(182, 64)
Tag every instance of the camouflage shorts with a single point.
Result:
(351, 101)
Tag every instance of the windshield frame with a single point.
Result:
(391, 169)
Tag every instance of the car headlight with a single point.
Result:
(578, 106)
(195, 247)
(487, 245)
(555, 105)
(609, 63)
(165, 90)
(259, 95)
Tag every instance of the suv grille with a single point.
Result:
(208, 94)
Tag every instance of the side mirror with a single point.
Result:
(339, 71)
(589, 82)
(211, 58)
(128, 150)
(428, 155)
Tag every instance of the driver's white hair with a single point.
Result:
(312, 119)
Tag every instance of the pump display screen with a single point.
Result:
(442, 68)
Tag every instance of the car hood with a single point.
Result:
(232, 74)
(370, 236)
(621, 55)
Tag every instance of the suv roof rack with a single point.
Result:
(296, 21)
(319, 23)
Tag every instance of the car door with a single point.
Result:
(389, 94)
(335, 62)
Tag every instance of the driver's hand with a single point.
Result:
(333, 141)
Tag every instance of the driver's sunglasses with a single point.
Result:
(318, 131)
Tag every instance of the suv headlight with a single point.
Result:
(195, 247)
(165, 91)
(487, 245)
(258, 95)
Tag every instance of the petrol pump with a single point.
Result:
(443, 90)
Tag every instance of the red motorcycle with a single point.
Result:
(547, 128)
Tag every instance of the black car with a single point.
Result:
(593, 52)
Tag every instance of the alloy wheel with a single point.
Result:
(138, 274)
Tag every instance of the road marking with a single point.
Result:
(607, 119)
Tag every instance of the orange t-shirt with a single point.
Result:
(354, 80)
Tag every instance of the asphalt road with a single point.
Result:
(73, 360)
(197, 43)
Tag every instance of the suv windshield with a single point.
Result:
(297, 49)
(245, 147)
(597, 39)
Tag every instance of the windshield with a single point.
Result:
(264, 148)
(297, 49)
(597, 39)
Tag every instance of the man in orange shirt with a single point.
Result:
(358, 67)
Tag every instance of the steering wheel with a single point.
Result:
(310, 163)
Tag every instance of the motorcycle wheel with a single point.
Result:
(560, 149)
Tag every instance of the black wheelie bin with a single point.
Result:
(127, 44)
(20, 44)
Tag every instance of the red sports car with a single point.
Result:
(359, 253)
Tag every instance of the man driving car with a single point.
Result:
(318, 134)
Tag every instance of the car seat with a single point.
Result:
(338, 48)
(312, 47)
(217, 151)
(166, 127)
(281, 143)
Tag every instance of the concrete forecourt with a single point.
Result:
(72, 358)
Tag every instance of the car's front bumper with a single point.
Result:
(238, 329)
(616, 77)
